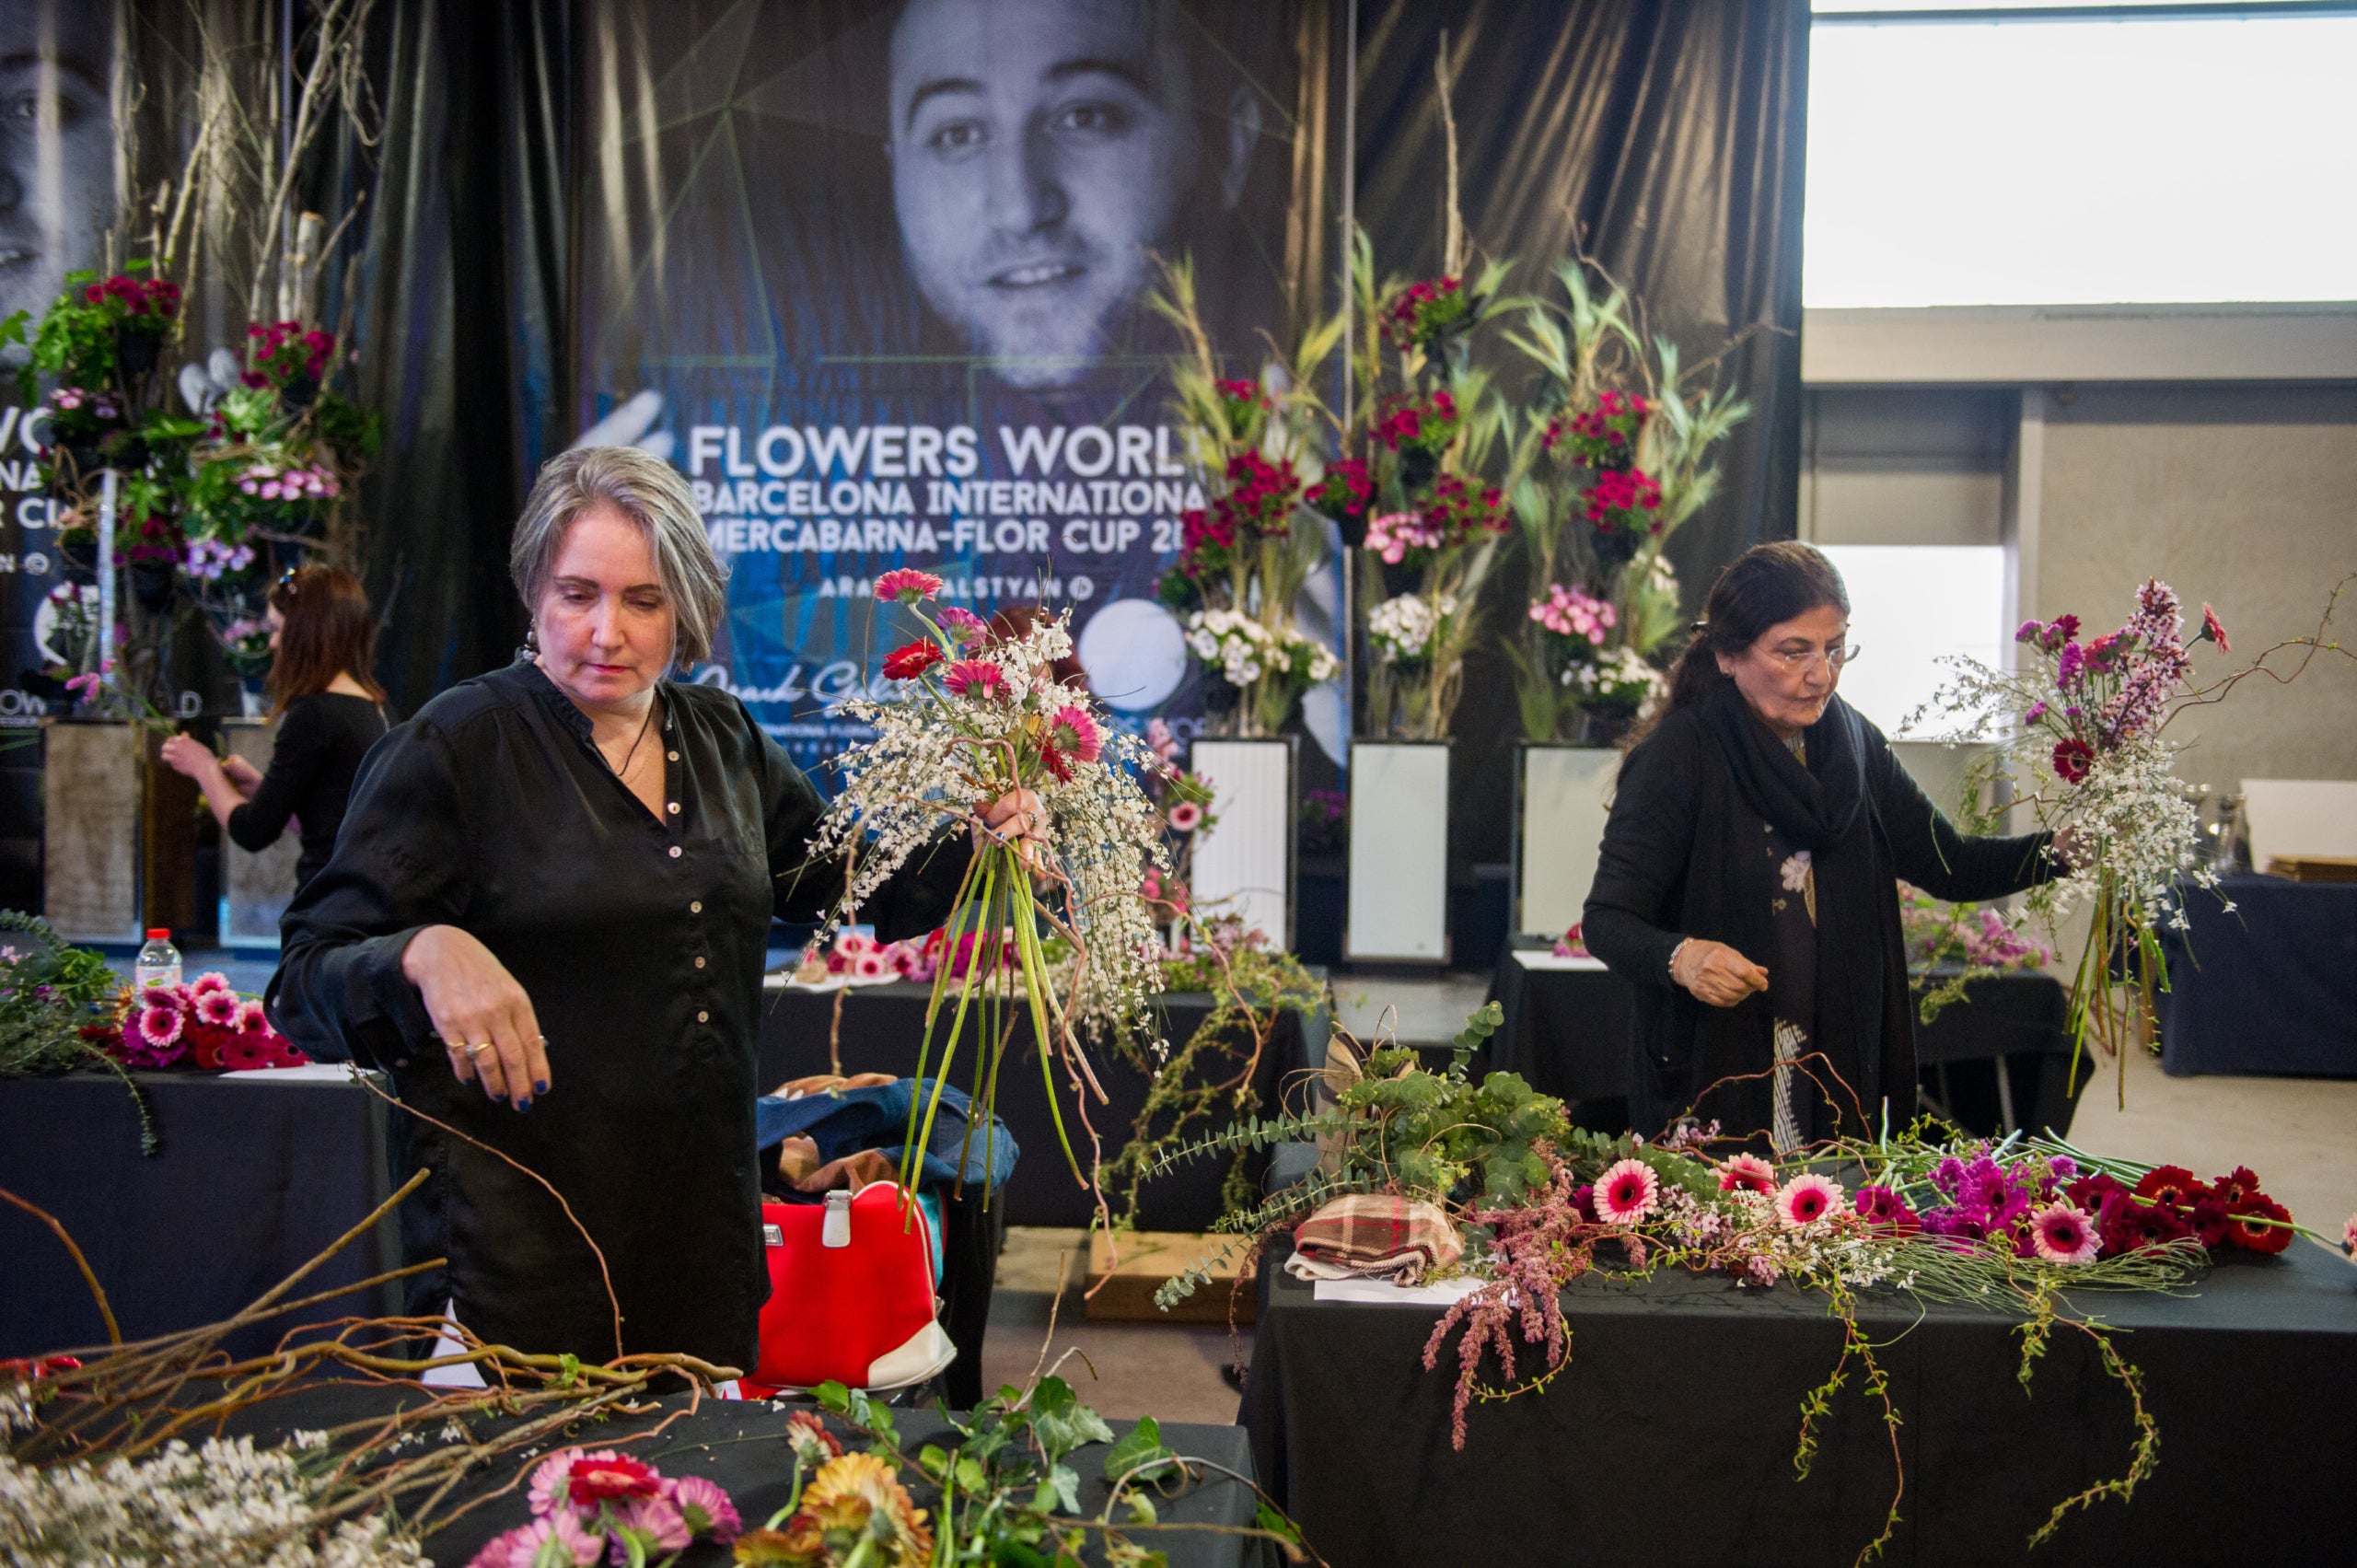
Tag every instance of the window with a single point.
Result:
(1912, 605)
(2018, 159)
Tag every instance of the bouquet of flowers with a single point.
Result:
(204, 1024)
(50, 992)
(987, 718)
(2077, 732)
(1973, 940)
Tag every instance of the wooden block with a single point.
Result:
(2314, 867)
(1148, 1258)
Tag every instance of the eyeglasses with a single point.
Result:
(1795, 660)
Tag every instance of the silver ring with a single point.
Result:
(478, 1050)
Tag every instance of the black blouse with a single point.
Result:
(640, 942)
(321, 738)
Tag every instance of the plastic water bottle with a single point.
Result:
(159, 961)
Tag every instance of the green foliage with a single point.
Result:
(49, 991)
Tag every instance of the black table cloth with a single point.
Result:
(2269, 986)
(884, 1025)
(255, 1176)
(1566, 1031)
(1668, 1439)
(740, 1445)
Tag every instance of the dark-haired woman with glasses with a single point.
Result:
(1748, 881)
(330, 712)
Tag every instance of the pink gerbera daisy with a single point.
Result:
(251, 1019)
(2348, 1236)
(1186, 817)
(907, 585)
(870, 965)
(1807, 1197)
(211, 979)
(978, 678)
(850, 944)
(218, 1008)
(521, 1546)
(159, 1026)
(1073, 733)
(1626, 1192)
(706, 1508)
(1747, 1173)
(660, 1529)
(2063, 1232)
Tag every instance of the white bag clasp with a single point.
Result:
(837, 1229)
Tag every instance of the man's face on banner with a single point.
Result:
(56, 149)
(1041, 148)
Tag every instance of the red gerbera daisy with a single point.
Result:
(908, 584)
(909, 662)
(2212, 631)
(2239, 1182)
(2248, 1228)
(2072, 758)
(2171, 1187)
(607, 1477)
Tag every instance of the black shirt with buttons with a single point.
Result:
(640, 941)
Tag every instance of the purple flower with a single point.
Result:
(2031, 631)
(2069, 667)
(2036, 711)
(1948, 1175)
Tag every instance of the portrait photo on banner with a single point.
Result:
(877, 276)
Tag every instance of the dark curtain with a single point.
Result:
(461, 290)
(1666, 141)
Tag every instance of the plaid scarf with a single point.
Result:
(1373, 1235)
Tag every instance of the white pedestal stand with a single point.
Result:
(1245, 866)
(1563, 794)
(1399, 886)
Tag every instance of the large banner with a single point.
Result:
(875, 277)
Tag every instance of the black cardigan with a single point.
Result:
(1669, 868)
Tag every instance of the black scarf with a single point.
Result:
(1816, 805)
(1862, 1023)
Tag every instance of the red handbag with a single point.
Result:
(851, 1294)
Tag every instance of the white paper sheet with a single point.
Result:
(310, 1072)
(1383, 1293)
(1537, 958)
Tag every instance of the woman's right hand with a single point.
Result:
(1716, 972)
(186, 754)
(476, 1004)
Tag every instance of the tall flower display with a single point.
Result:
(985, 716)
(1611, 455)
(2077, 732)
(1425, 423)
(1245, 554)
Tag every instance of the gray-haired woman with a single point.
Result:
(551, 895)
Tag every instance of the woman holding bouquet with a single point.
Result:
(548, 917)
(1748, 880)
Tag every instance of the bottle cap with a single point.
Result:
(160, 934)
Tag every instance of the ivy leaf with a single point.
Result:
(1276, 1523)
(1061, 1423)
(1060, 1491)
(1142, 1446)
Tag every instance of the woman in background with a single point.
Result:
(1748, 881)
(330, 712)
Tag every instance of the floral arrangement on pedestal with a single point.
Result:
(2074, 732)
(1612, 455)
(1427, 524)
(1245, 555)
(987, 718)
(2032, 1225)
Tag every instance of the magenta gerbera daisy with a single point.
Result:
(218, 1008)
(964, 626)
(1807, 1197)
(251, 1019)
(978, 678)
(1626, 1192)
(1747, 1173)
(1878, 1205)
(211, 979)
(1186, 817)
(2348, 1236)
(159, 996)
(907, 585)
(2063, 1232)
(159, 1026)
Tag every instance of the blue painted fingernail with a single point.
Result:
(542, 1087)
(524, 1103)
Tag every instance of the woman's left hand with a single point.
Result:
(1015, 817)
(2069, 850)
